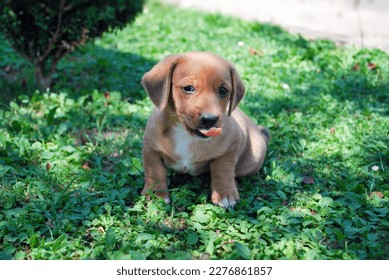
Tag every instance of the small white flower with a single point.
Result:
(285, 86)
(375, 168)
(240, 44)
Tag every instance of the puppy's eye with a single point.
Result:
(223, 92)
(189, 89)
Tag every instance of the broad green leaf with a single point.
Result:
(242, 250)
(210, 247)
(110, 239)
(192, 238)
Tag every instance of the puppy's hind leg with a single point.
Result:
(254, 153)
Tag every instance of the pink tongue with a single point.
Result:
(212, 132)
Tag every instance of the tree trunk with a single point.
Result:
(43, 80)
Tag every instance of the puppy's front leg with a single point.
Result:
(223, 186)
(155, 175)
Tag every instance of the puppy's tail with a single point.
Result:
(265, 133)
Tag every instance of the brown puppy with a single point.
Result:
(196, 127)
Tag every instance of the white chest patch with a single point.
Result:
(182, 144)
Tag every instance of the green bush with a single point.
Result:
(45, 31)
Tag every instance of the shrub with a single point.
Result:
(44, 31)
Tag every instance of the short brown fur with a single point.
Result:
(172, 127)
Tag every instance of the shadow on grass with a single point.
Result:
(80, 73)
(103, 69)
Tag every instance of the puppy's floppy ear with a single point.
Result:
(157, 82)
(238, 89)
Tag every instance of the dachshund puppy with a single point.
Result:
(196, 126)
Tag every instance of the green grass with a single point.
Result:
(70, 159)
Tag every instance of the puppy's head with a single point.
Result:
(200, 88)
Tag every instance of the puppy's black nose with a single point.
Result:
(208, 120)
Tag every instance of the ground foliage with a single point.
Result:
(70, 158)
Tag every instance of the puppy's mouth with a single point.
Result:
(211, 132)
(199, 134)
(207, 133)
(201, 131)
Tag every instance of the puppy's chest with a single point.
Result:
(186, 154)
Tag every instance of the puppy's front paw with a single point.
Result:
(225, 199)
(167, 200)
(159, 193)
